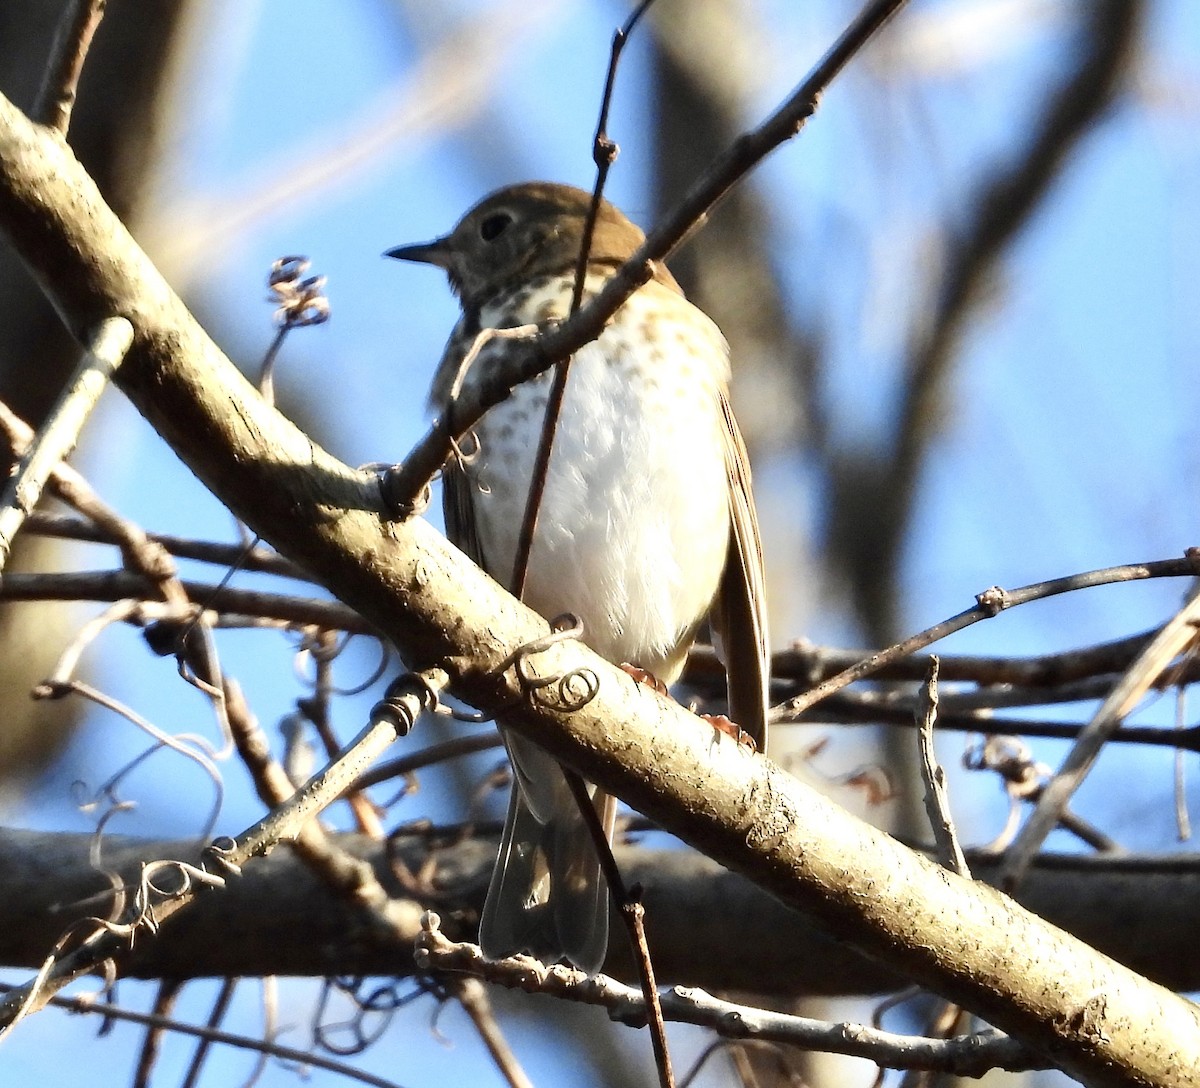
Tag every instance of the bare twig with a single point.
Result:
(139, 552)
(971, 1055)
(216, 1015)
(428, 757)
(937, 803)
(633, 914)
(339, 871)
(56, 99)
(300, 302)
(119, 586)
(68, 527)
(474, 999)
(991, 602)
(881, 708)
(56, 440)
(164, 1001)
(604, 154)
(1172, 640)
(1024, 781)
(805, 662)
(285, 822)
(323, 647)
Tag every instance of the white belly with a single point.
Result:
(633, 528)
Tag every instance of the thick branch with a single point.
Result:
(277, 919)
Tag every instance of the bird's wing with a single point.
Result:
(458, 513)
(739, 614)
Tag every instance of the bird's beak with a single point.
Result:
(436, 252)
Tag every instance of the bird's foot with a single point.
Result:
(720, 722)
(646, 679)
(723, 724)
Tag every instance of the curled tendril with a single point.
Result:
(372, 1008)
(1012, 759)
(315, 650)
(567, 692)
(219, 852)
(466, 454)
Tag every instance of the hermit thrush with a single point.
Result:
(646, 523)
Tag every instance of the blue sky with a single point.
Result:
(1071, 436)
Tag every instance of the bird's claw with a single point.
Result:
(641, 676)
(723, 724)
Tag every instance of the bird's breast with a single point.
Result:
(633, 524)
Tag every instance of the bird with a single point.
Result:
(646, 523)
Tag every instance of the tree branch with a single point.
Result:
(277, 918)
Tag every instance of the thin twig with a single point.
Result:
(991, 602)
(215, 1016)
(428, 757)
(805, 662)
(140, 554)
(301, 302)
(604, 153)
(283, 823)
(119, 585)
(1172, 640)
(937, 803)
(164, 1001)
(971, 1055)
(55, 441)
(56, 99)
(69, 527)
(875, 708)
(474, 999)
(302, 1058)
(343, 874)
(633, 915)
(323, 650)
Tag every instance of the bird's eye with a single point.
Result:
(494, 225)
